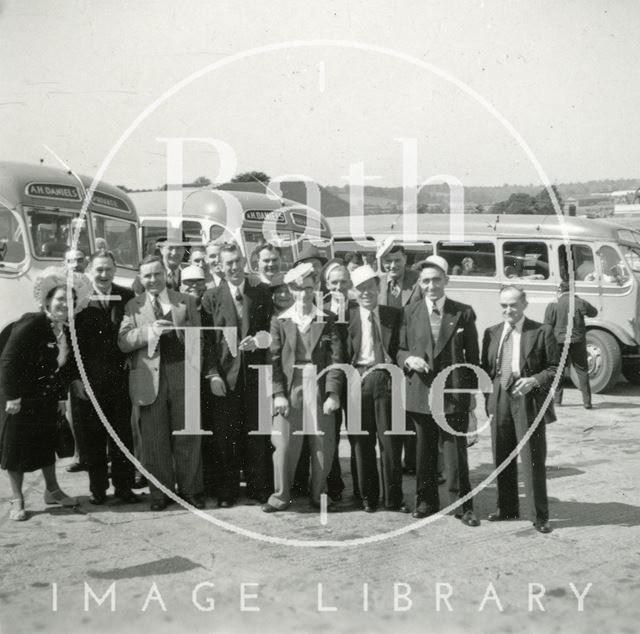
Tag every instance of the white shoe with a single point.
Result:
(17, 514)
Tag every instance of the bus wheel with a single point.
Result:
(605, 361)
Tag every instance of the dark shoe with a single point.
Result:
(588, 406)
(367, 507)
(260, 498)
(98, 499)
(195, 500)
(468, 518)
(225, 504)
(336, 496)
(269, 508)
(399, 508)
(126, 495)
(140, 482)
(159, 505)
(76, 467)
(502, 517)
(542, 526)
(422, 511)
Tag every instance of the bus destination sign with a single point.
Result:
(51, 190)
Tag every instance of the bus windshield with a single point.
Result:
(52, 232)
(121, 237)
(12, 247)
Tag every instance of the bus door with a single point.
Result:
(585, 275)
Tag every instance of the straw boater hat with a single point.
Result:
(297, 274)
(435, 261)
(54, 276)
(192, 272)
(363, 274)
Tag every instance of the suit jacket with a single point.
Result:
(134, 339)
(390, 323)
(457, 343)
(219, 309)
(28, 363)
(557, 316)
(411, 291)
(327, 349)
(539, 358)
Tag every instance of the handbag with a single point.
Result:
(65, 443)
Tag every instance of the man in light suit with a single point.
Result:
(521, 357)
(438, 333)
(237, 304)
(373, 334)
(156, 383)
(212, 250)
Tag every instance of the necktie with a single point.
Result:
(395, 289)
(157, 309)
(505, 358)
(238, 300)
(435, 319)
(378, 349)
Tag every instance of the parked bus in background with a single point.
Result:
(39, 213)
(530, 251)
(224, 214)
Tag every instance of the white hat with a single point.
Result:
(191, 272)
(298, 273)
(436, 261)
(363, 274)
(54, 276)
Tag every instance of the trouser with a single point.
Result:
(287, 446)
(75, 405)
(171, 459)
(100, 446)
(210, 475)
(456, 465)
(580, 361)
(234, 416)
(335, 483)
(409, 447)
(508, 427)
(376, 420)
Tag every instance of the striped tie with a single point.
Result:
(506, 358)
(435, 319)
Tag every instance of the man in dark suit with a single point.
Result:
(373, 334)
(97, 329)
(438, 333)
(237, 304)
(398, 288)
(521, 357)
(557, 316)
(157, 383)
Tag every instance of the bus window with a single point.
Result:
(614, 269)
(151, 233)
(52, 232)
(121, 239)
(632, 256)
(526, 260)
(12, 247)
(415, 254)
(584, 268)
(472, 258)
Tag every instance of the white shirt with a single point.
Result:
(103, 298)
(367, 355)
(303, 322)
(516, 337)
(439, 303)
(234, 291)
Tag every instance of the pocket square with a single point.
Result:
(459, 330)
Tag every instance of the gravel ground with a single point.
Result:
(174, 571)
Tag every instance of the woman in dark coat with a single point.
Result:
(34, 376)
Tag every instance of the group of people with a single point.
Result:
(133, 350)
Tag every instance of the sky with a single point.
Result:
(484, 92)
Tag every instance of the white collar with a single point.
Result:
(163, 297)
(517, 326)
(439, 304)
(365, 312)
(100, 293)
(234, 289)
